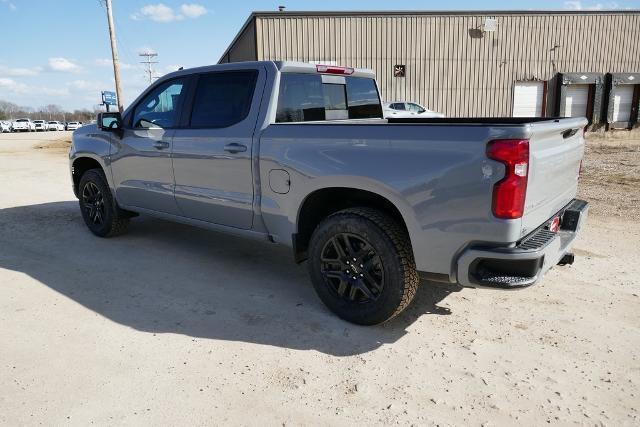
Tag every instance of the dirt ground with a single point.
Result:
(611, 179)
(177, 326)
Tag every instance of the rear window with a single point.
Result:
(223, 99)
(310, 97)
(22, 120)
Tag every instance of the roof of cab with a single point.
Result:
(282, 66)
(307, 67)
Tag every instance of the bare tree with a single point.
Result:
(10, 111)
(54, 111)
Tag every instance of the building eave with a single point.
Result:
(238, 35)
(302, 13)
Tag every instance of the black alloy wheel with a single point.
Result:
(352, 269)
(93, 202)
(99, 211)
(361, 265)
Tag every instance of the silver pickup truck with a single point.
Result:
(299, 154)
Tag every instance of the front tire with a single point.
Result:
(362, 267)
(99, 210)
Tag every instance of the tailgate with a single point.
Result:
(555, 152)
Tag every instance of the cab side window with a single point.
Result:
(160, 108)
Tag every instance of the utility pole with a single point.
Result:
(114, 55)
(148, 62)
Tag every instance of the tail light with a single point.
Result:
(332, 69)
(509, 193)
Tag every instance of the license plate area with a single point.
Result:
(553, 225)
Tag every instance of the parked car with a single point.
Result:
(5, 126)
(41, 125)
(400, 109)
(23, 125)
(300, 155)
(73, 125)
(55, 125)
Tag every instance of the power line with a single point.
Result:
(149, 63)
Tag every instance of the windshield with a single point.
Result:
(22, 120)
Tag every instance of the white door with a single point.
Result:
(528, 99)
(622, 98)
(576, 101)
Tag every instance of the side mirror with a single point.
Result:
(110, 122)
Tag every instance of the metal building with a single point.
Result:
(498, 63)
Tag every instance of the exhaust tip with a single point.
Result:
(567, 259)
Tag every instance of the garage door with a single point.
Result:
(528, 99)
(622, 98)
(576, 101)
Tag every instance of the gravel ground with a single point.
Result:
(174, 325)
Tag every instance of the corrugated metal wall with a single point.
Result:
(448, 67)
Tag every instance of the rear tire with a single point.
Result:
(362, 267)
(99, 211)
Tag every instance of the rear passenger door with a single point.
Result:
(212, 151)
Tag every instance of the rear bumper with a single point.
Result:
(524, 263)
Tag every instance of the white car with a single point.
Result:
(55, 125)
(41, 125)
(404, 110)
(73, 125)
(5, 127)
(23, 125)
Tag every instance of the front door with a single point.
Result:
(212, 153)
(141, 165)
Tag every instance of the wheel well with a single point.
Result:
(322, 203)
(79, 167)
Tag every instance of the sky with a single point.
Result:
(58, 51)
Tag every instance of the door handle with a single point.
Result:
(235, 148)
(161, 145)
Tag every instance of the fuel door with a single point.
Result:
(279, 181)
